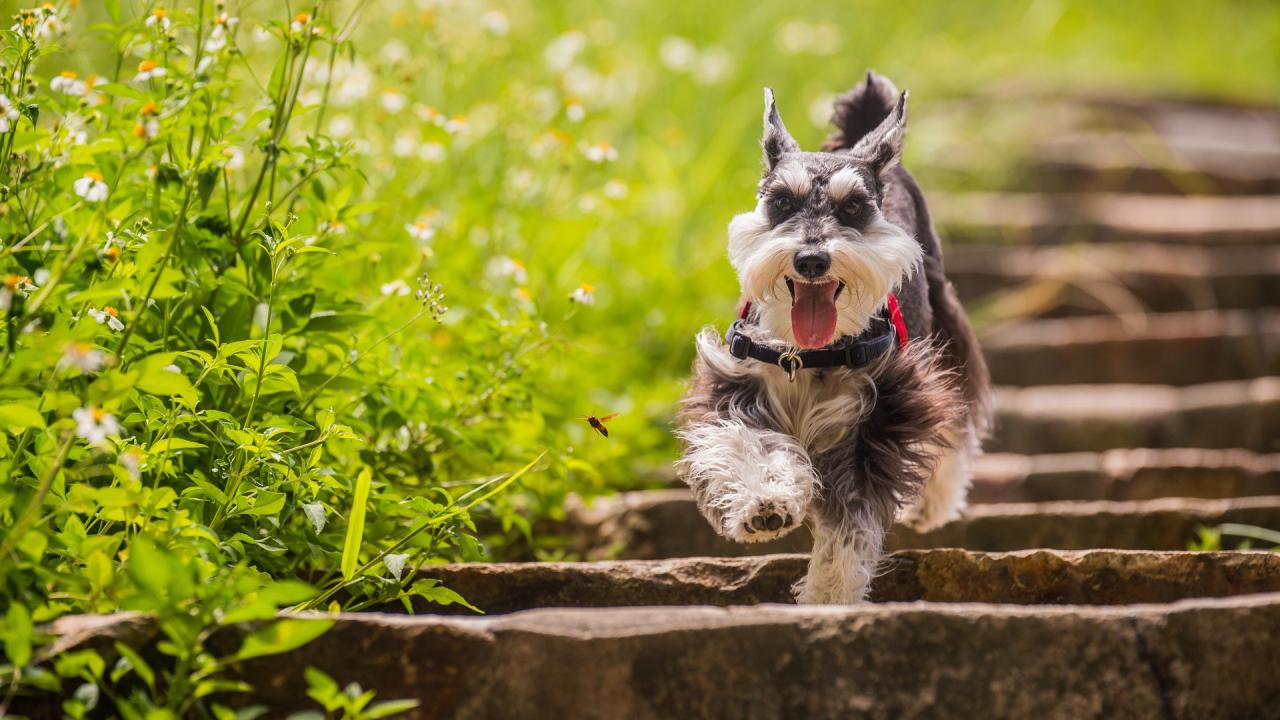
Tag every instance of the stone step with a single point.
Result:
(1092, 577)
(1109, 278)
(1075, 418)
(1203, 658)
(1150, 163)
(1166, 349)
(657, 524)
(1013, 218)
(1142, 474)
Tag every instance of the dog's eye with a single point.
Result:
(782, 204)
(849, 212)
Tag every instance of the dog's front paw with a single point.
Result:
(762, 518)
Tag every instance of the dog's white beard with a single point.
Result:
(871, 263)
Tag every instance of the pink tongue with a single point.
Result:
(813, 315)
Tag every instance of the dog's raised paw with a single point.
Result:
(766, 520)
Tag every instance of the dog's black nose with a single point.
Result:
(812, 264)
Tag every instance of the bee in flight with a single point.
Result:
(597, 423)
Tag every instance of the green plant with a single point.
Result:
(349, 703)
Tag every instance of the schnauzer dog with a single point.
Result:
(851, 391)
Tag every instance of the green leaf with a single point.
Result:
(389, 708)
(334, 321)
(282, 636)
(16, 633)
(17, 417)
(433, 591)
(355, 524)
(167, 383)
(268, 502)
(171, 444)
(137, 664)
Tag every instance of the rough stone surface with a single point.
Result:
(1205, 658)
(1128, 162)
(1072, 418)
(1167, 349)
(665, 524)
(986, 218)
(1093, 577)
(1124, 475)
(1085, 279)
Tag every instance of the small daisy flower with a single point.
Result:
(496, 22)
(131, 460)
(235, 158)
(8, 114)
(677, 53)
(146, 129)
(335, 227)
(573, 110)
(91, 187)
(600, 152)
(432, 152)
(561, 52)
(223, 24)
(504, 266)
(152, 171)
(148, 69)
(584, 294)
(159, 18)
(111, 254)
(108, 315)
(14, 284)
(395, 287)
(428, 114)
(523, 297)
(456, 124)
(394, 101)
(421, 230)
(615, 189)
(300, 22)
(84, 356)
(94, 425)
(68, 83)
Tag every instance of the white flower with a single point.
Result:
(574, 111)
(108, 315)
(496, 22)
(561, 51)
(68, 83)
(94, 425)
(221, 32)
(351, 83)
(8, 113)
(405, 144)
(600, 152)
(315, 513)
(395, 563)
(677, 53)
(14, 284)
(420, 231)
(615, 189)
(395, 287)
(456, 124)
(432, 152)
(148, 69)
(234, 156)
(147, 129)
(584, 294)
(713, 66)
(82, 355)
(503, 266)
(394, 52)
(394, 101)
(300, 22)
(523, 297)
(158, 18)
(91, 187)
(131, 460)
(797, 36)
(341, 126)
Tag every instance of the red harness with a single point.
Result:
(895, 317)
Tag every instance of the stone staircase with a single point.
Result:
(1140, 403)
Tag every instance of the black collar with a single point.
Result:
(849, 352)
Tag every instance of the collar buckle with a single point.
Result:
(790, 362)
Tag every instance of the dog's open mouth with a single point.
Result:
(813, 311)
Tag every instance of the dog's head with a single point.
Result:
(816, 256)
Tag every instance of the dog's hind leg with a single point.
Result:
(752, 485)
(844, 560)
(945, 494)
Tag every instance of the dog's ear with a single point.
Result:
(882, 148)
(777, 141)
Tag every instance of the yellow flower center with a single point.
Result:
(146, 66)
(94, 176)
(98, 414)
(586, 288)
(159, 13)
(111, 311)
(12, 281)
(68, 74)
(302, 18)
(149, 108)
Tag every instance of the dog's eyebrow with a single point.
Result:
(794, 179)
(845, 182)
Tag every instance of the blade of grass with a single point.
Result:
(355, 524)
